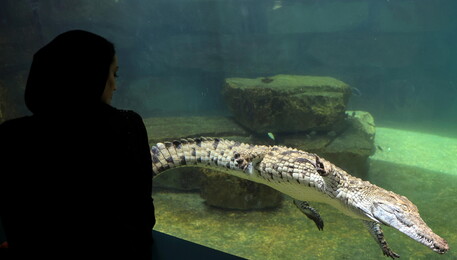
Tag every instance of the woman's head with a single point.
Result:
(70, 73)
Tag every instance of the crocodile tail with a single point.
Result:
(203, 151)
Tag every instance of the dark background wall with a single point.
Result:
(400, 55)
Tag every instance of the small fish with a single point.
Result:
(272, 136)
(380, 148)
(277, 5)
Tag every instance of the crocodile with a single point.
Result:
(305, 177)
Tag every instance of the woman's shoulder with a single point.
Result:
(129, 115)
(121, 114)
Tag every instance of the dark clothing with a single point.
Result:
(77, 186)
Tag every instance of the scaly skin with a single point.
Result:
(305, 177)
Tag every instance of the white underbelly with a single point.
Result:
(301, 191)
(305, 193)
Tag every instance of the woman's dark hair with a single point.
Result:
(69, 73)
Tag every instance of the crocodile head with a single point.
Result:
(398, 212)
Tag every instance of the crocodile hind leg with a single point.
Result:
(376, 232)
(310, 212)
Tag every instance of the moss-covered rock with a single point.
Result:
(358, 137)
(287, 103)
(171, 128)
(229, 192)
(181, 179)
(348, 148)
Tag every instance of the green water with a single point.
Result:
(399, 58)
(419, 166)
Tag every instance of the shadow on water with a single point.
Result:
(286, 233)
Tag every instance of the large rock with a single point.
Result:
(180, 179)
(352, 148)
(229, 192)
(358, 137)
(170, 128)
(287, 103)
(348, 148)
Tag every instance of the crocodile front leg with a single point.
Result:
(310, 212)
(376, 232)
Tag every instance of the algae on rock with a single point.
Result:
(287, 103)
(229, 192)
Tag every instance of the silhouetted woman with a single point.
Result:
(76, 176)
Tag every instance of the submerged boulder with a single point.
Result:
(358, 136)
(229, 192)
(348, 148)
(180, 179)
(287, 103)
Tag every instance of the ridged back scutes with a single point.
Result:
(192, 151)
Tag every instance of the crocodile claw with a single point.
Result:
(310, 212)
(390, 253)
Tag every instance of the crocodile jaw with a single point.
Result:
(398, 212)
